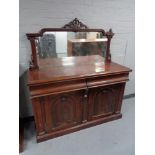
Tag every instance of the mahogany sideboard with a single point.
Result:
(72, 90)
(74, 93)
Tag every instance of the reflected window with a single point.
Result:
(47, 46)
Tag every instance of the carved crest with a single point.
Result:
(75, 24)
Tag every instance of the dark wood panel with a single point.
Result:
(105, 100)
(21, 135)
(63, 110)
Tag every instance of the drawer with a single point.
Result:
(57, 87)
(107, 80)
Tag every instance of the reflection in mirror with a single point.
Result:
(64, 44)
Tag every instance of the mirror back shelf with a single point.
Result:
(73, 39)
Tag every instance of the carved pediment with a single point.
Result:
(75, 24)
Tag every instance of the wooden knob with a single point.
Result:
(63, 98)
(85, 96)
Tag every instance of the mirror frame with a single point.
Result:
(73, 26)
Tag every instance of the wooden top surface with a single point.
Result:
(68, 68)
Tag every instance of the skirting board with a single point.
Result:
(128, 96)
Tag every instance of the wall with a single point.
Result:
(115, 14)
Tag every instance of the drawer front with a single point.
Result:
(105, 100)
(63, 110)
(39, 90)
(107, 80)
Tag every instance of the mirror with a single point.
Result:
(64, 44)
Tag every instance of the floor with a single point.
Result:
(112, 138)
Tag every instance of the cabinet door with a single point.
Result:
(105, 100)
(63, 110)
